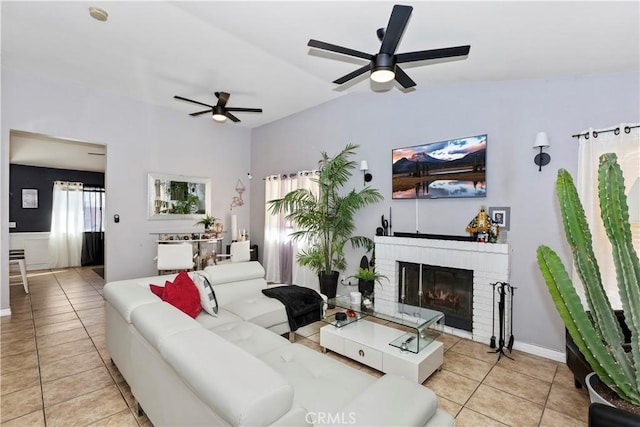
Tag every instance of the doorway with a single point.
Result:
(36, 163)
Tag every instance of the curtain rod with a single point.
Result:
(616, 130)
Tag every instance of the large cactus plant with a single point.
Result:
(597, 333)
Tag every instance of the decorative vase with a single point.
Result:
(328, 284)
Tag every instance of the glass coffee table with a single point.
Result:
(388, 336)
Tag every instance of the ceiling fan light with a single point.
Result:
(220, 118)
(382, 75)
(218, 114)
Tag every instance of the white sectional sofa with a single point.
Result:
(236, 368)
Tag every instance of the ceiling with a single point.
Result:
(33, 149)
(257, 51)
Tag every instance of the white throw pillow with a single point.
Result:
(207, 294)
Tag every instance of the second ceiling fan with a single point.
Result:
(220, 111)
(383, 65)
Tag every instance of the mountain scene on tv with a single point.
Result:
(453, 168)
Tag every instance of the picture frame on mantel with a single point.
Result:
(501, 216)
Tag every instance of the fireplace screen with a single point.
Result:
(449, 290)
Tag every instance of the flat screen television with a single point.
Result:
(452, 168)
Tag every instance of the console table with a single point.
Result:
(412, 351)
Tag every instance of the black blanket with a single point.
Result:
(303, 305)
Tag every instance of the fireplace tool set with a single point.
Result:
(503, 290)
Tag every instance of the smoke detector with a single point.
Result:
(98, 14)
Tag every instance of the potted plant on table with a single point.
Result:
(597, 332)
(208, 221)
(326, 219)
(367, 277)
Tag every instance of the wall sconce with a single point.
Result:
(541, 159)
(237, 200)
(364, 167)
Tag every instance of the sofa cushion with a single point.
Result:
(226, 273)
(322, 384)
(236, 281)
(125, 297)
(236, 385)
(183, 294)
(208, 321)
(392, 400)
(155, 322)
(250, 337)
(441, 419)
(208, 299)
(228, 293)
(259, 309)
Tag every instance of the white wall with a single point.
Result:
(511, 113)
(140, 138)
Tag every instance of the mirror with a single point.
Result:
(177, 196)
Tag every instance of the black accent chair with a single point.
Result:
(601, 415)
(576, 361)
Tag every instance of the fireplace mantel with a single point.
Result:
(489, 262)
(500, 248)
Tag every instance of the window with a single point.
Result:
(93, 205)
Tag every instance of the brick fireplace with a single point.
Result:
(488, 262)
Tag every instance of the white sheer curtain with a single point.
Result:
(304, 276)
(275, 228)
(279, 251)
(67, 225)
(625, 142)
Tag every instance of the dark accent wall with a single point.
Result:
(41, 179)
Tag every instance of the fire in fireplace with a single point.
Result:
(445, 289)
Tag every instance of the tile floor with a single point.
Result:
(54, 368)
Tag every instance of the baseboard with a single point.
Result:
(558, 356)
(5, 312)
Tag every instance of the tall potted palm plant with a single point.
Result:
(597, 332)
(326, 219)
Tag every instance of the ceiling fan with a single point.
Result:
(383, 65)
(220, 111)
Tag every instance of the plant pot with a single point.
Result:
(365, 287)
(328, 284)
(601, 393)
(592, 381)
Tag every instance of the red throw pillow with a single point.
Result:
(157, 290)
(183, 294)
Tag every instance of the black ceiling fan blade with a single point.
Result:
(191, 100)
(223, 97)
(393, 33)
(403, 78)
(422, 55)
(353, 74)
(245, 110)
(201, 112)
(232, 117)
(339, 49)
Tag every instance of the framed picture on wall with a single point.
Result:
(29, 198)
(500, 216)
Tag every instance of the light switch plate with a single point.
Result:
(12, 224)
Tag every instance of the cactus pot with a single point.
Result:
(601, 393)
(593, 382)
